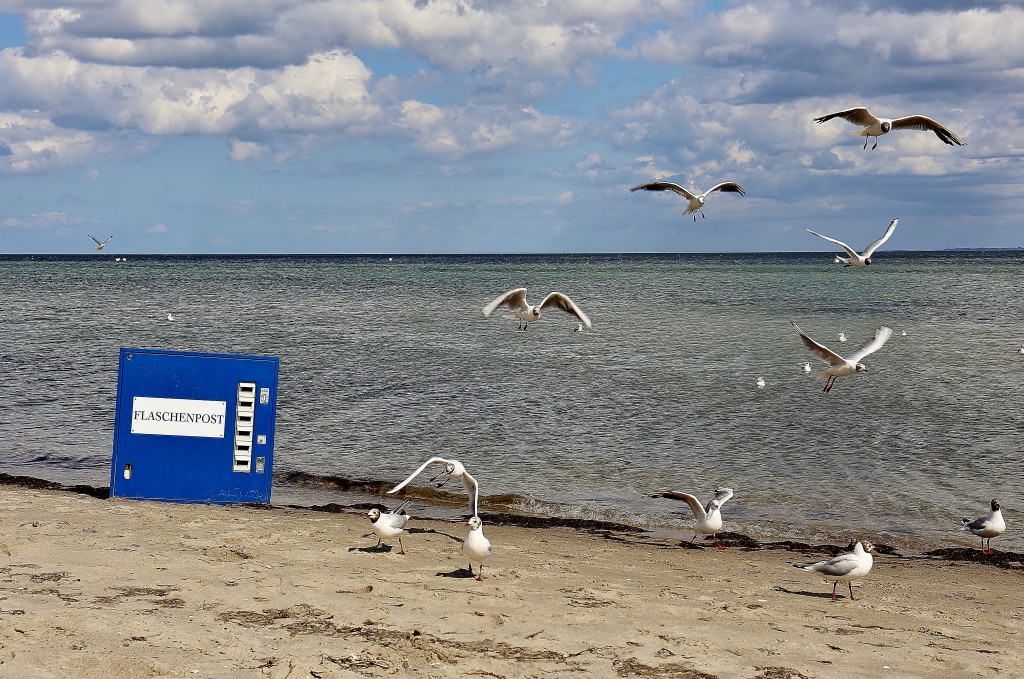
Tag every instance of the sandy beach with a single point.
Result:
(116, 588)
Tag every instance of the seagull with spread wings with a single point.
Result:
(515, 300)
(863, 259)
(839, 366)
(709, 516)
(876, 127)
(453, 469)
(99, 245)
(695, 201)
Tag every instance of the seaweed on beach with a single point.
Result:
(1009, 560)
(33, 483)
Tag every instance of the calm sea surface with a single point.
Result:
(388, 361)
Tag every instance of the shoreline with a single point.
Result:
(99, 588)
(609, 530)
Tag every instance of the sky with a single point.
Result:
(503, 126)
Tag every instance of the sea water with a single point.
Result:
(388, 360)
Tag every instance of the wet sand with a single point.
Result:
(116, 588)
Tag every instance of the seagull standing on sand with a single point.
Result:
(476, 547)
(516, 302)
(695, 201)
(389, 525)
(839, 366)
(876, 127)
(452, 469)
(99, 245)
(709, 516)
(845, 567)
(990, 526)
(863, 259)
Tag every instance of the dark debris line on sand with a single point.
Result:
(606, 529)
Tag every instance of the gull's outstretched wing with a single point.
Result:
(858, 116)
(515, 299)
(722, 496)
(695, 505)
(840, 243)
(926, 123)
(727, 187)
(869, 250)
(433, 460)
(473, 489)
(557, 299)
(94, 239)
(664, 186)
(882, 335)
(820, 350)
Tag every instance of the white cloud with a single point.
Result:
(158, 229)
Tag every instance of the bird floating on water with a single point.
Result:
(476, 547)
(760, 383)
(170, 317)
(989, 526)
(863, 259)
(876, 127)
(842, 337)
(99, 245)
(452, 469)
(709, 516)
(695, 201)
(839, 366)
(807, 367)
(515, 300)
(845, 567)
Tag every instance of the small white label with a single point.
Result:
(261, 439)
(178, 417)
(265, 395)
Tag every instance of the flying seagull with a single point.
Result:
(876, 127)
(453, 469)
(845, 567)
(863, 259)
(839, 366)
(709, 516)
(695, 200)
(99, 245)
(990, 526)
(516, 302)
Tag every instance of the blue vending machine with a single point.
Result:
(194, 427)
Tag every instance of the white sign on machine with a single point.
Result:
(178, 417)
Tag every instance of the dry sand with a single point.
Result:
(118, 588)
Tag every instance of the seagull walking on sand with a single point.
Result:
(476, 547)
(389, 525)
(876, 127)
(989, 526)
(452, 469)
(845, 567)
(695, 201)
(515, 300)
(99, 245)
(839, 366)
(709, 516)
(863, 259)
